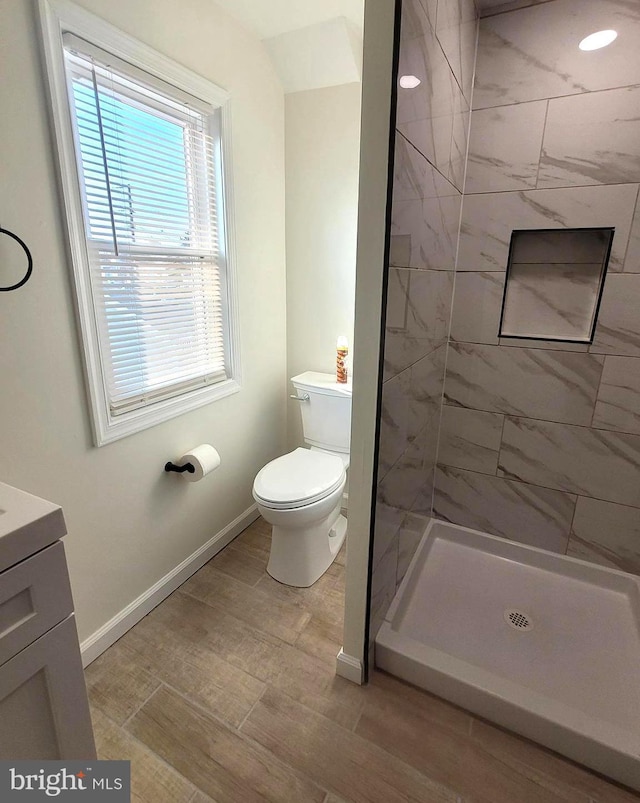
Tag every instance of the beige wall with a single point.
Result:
(322, 145)
(129, 523)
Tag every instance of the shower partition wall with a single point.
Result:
(430, 146)
(530, 440)
(535, 441)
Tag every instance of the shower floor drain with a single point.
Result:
(518, 620)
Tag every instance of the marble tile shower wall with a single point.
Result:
(540, 442)
(438, 41)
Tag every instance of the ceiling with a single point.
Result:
(312, 43)
(268, 18)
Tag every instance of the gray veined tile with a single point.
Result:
(477, 303)
(427, 380)
(425, 213)
(504, 147)
(618, 404)
(459, 140)
(409, 536)
(422, 56)
(632, 259)
(409, 401)
(388, 521)
(607, 534)
(491, 7)
(551, 385)
(424, 232)
(456, 28)
(414, 177)
(618, 326)
(489, 219)
(383, 586)
(555, 300)
(412, 474)
(397, 427)
(417, 17)
(607, 150)
(418, 313)
(536, 516)
(532, 53)
(548, 345)
(433, 138)
(470, 439)
(561, 245)
(589, 462)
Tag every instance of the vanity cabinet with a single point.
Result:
(44, 711)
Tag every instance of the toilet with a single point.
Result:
(300, 493)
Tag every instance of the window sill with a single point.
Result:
(110, 428)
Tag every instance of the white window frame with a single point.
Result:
(57, 17)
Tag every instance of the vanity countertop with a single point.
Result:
(27, 525)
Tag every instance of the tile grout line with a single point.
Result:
(219, 608)
(573, 518)
(431, 164)
(142, 705)
(545, 420)
(504, 421)
(597, 395)
(359, 717)
(258, 746)
(636, 208)
(260, 579)
(544, 131)
(249, 712)
(553, 97)
(156, 756)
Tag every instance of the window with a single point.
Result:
(143, 163)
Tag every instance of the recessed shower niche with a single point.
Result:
(554, 283)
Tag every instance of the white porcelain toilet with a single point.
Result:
(300, 493)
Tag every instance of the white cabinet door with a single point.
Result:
(34, 596)
(44, 712)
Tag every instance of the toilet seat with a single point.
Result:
(298, 478)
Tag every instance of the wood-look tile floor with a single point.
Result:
(227, 692)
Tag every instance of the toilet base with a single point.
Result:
(301, 555)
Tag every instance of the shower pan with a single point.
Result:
(543, 644)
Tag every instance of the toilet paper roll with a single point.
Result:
(203, 458)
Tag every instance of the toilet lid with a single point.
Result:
(300, 477)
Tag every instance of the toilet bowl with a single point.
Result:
(300, 495)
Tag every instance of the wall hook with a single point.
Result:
(27, 275)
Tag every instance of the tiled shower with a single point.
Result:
(534, 440)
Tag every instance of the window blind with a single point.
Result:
(150, 173)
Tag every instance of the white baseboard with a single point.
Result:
(109, 633)
(349, 668)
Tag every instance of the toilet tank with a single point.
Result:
(326, 416)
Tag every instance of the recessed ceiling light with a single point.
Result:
(409, 81)
(598, 40)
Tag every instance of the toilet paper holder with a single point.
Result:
(179, 469)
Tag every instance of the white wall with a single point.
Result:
(129, 523)
(322, 145)
(372, 211)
